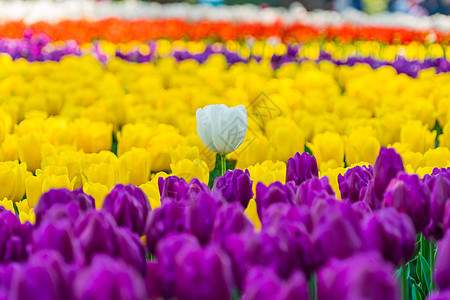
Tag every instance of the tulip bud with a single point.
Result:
(129, 206)
(106, 278)
(392, 233)
(326, 147)
(12, 180)
(229, 219)
(386, 167)
(264, 283)
(208, 269)
(353, 181)
(301, 167)
(220, 128)
(442, 266)
(134, 167)
(360, 147)
(274, 193)
(366, 275)
(235, 186)
(45, 272)
(312, 189)
(408, 194)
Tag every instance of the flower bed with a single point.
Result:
(109, 182)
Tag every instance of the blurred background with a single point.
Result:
(415, 7)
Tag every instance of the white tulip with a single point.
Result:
(220, 128)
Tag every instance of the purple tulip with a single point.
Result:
(337, 225)
(203, 274)
(165, 269)
(284, 249)
(130, 249)
(129, 206)
(368, 196)
(283, 213)
(201, 215)
(6, 275)
(97, 233)
(408, 194)
(444, 295)
(230, 218)
(392, 234)
(235, 186)
(57, 236)
(446, 219)
(442, 266)
(362, 276)
(263, 283)
(108, 279)
(387, 165)
(14, 237)
(164, 220)
(301, 167)
(430, 179)
(72, 202)
(178, 191)
(276, 192)
(153, 281)
(44, 276)
(351, 183)
(362, 209)
(440, 195)
(433, 232)
(312, 189)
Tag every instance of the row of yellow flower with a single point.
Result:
(60, 120)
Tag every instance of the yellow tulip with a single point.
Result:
(285, 138)
(24, 145)
(189, 169)
(439, 157)
(251, 212)
(417, 136)
(97, 190)
(414, 159)
(7, 204)
(134, 167)
(332, 174)
(253, 151)
(360, 147)
(12, 180)
(8, 150)
(103, 173)
(184, 152)
(444, 138)
(151, 189)
(92, 136)
(328, 146)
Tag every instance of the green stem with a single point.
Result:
(405, 287)
(223, 164)
(431, 250)
(313, 287)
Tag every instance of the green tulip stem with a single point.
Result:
(405, 287)
(223, 164)
(431, 262)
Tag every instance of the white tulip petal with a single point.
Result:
(204, 131)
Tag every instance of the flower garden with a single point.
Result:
(169, 158)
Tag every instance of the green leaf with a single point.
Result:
(426, 272)
(415, 294)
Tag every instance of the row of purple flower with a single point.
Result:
(35, 48)
(201, 245)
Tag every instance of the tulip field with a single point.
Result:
(193, 153)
